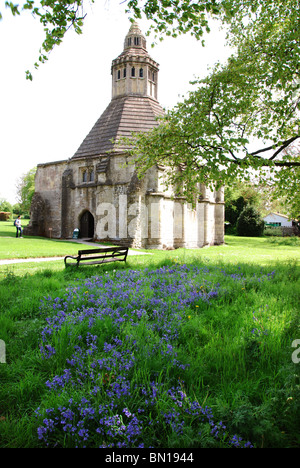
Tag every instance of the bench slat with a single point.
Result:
(105, 261)
(100, 256)
(105, 255)
(102, 250)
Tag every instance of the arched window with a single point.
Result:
(92, 175)
(129, 42)
(124, 73)
(84, 176)
(119, 74)
(136, 41)
(141, 73)
(133, 71)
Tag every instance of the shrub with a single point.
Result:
(250, 223)
(273, 231)
(4, 216)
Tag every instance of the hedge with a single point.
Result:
(4, 215)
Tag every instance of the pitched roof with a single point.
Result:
(121, 117)
(277, 214)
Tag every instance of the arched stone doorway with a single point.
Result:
(87, 225)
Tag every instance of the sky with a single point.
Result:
(46, 119)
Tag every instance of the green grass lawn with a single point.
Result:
(264, 250)
(172, 346)
(7, 228)
(27, 247)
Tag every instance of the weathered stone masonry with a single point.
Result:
(97, 190)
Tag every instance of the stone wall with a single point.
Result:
(46, 207)
(125, 210)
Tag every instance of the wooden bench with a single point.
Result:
(99, 256)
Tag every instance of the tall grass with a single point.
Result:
(172, 350)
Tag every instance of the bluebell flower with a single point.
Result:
(153, 299)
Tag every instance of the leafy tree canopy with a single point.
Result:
(250, 223)
(25, 190)
(209, 137)
(5, 205)
(57, 17)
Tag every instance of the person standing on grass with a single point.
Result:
(18, 226)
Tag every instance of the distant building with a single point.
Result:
(97, 190)
(277, 220)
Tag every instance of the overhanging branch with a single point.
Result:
(287, 164)
(284, 145)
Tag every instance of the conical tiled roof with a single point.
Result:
(122, 117)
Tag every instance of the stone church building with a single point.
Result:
(97, 190)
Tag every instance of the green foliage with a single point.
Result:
(206, 139)
(25, 190)
(5, 205)
(254, 96)
(272, 231)
(238, 349)
(233, 209)
(17, 209)
(236, 198)
(287, 183)
(293, 240)
(179, 17)
(57, 17)
(250, 223)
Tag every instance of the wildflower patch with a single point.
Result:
(117, 377)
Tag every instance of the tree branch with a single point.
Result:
(285, 145)
(287, 164)
(282, 147)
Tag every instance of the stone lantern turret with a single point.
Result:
(134, 72)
